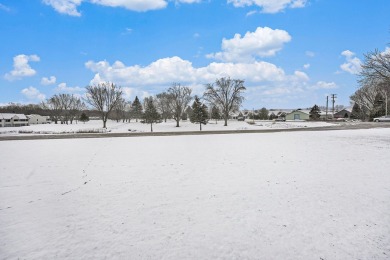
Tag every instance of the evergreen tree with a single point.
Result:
(136, 109)
(263, 115)
(151, 115)
(356, 112)
(199, 113)
(315, 113)
(84, 118)
(215, 114)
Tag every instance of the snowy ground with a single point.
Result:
(170, 126)
(291, 195)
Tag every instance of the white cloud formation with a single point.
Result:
(270, 6)
(69, 7)
(159, 75)
(261, 43)
(306, 66)
(63, 88)
(352, 64)
(48, 81)
(310, 54)
(21, 67)
(324, 85)
(32, 93)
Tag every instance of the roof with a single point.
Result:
(10, 116)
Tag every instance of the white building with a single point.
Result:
(7, 119)
(38, 119)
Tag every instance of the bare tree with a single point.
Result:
(76, 106)
(163, 101)
(180, 98)
(225, 93)
(376, 67)
(104, 97)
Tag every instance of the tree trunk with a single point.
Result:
(177, 123)
(200, 126)
(151, 127)
(225, 121)
(104, 123)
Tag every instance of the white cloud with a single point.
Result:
(310, 54)
(324, 85)
(62, 87)
(21, 67)
(352, 64)
(69, 7)
(306, 66)
(174, 69)
(261, 43)
(48, 81)
(32, 93)
(251, 13)
(270, 6)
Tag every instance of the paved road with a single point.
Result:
(340, 126)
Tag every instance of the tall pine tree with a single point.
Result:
(151, 115)
(315, 113)
(136, 109)
(199, 113)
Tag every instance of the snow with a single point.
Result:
(169, 126)
(289, 195)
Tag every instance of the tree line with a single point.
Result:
(220, 99)
(374, 86)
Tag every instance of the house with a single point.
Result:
(38, 119)
(298, 114)
(9, 120)
(345, 113)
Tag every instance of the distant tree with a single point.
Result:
(163, 101)
(84, 118)
(356, 112)
(225, 93)
(104, 97)
(215, 114)
(180, 98)
(150, 115)
(263, 115)
(136, 109)
(199, 113)
(314, 113)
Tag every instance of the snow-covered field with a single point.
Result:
(170, 126)
(291, 195)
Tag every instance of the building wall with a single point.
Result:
(37, 119)
(299, 114)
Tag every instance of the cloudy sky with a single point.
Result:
(291, 53)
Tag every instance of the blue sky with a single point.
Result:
(291, 53)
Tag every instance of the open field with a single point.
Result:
(292, 195)
(170, 126)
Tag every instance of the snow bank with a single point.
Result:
(170, 126)
(292, 195)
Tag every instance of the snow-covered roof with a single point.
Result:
(10, 116)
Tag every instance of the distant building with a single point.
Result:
(345, 113)
(298, 114)
(9, 120)
(38, 119)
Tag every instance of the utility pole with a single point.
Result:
(333, 96)
(327, 100)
